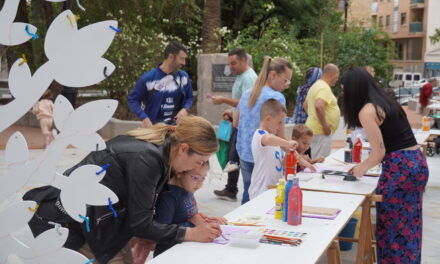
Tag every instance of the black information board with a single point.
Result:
(222, 78)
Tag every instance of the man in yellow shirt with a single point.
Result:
(323, 111)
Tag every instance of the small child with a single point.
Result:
(178, 206)
(304, 135)
(266, 148)
(43, 109)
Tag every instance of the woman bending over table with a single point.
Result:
(404, 168)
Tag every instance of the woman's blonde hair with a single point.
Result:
(196, 131)
(278, 65)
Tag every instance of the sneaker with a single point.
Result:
(226, 195)
(231, 167)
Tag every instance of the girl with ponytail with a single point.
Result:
(273, 79)
(140, 165)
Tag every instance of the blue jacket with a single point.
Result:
(161, 83)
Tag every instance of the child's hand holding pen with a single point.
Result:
(215, 219)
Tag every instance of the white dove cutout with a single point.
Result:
(13, 218)
(11, 33)
(26, 89)
(82, 188)
(76, 55)
(75, 60)
(47, 248)
(16, 155)
(77, 127)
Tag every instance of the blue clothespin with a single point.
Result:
(87, 220)
(110, 206)
(103, 168)
(115, 29)
(34, 35)
(90, 261)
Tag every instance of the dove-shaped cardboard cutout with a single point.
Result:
(47, 248)
(13, 33)
(76, 55)
(16, 154)
(82, 188)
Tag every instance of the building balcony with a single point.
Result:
(417, 4)
(416, 27)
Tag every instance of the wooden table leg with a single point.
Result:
(334, 253)
(364, 252)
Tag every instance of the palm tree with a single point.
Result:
(211, 39)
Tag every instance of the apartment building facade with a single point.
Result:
(409, 23)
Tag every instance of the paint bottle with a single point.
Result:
(279, 199)
(294, 216)
(286, 195)
(290, 163)
(348, 153)
(425, 123)
(357, 150)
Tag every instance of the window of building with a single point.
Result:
(403, 19)
(381, 21)
(414, 51)
(399, 50)
(387, 21)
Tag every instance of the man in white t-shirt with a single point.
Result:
(266, 148)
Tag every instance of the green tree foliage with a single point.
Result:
(436, 37)
(357, 47)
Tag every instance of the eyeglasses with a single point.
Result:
(287, 81)
(197, 178)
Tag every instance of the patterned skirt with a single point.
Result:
(399, 217)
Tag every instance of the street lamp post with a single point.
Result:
(345, 14)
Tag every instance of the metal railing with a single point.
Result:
(413, 2)
(416, 27)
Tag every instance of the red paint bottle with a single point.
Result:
(290, 164)
(357, 151)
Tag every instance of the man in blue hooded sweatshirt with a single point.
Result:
(163, 94)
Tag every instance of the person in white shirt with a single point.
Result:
(266, 148)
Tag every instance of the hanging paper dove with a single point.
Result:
(13, 218)
(16, 154)
(26, 89)
(77, 127)
(75, 60)
(76, 55)
(13, 33)
(48, 248)
(82, 188)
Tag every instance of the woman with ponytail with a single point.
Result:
(140, 165)
(273, 79)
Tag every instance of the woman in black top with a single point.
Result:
(140, 165)
(404, 168)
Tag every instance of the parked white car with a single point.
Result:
(405, 79)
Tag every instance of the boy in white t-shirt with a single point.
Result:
(266, 148)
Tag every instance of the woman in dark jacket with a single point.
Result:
(140, 165)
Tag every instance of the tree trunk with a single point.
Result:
(211, 39)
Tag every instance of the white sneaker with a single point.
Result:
(231, 167)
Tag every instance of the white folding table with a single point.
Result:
(321, 234)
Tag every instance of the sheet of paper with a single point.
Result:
(227, 231)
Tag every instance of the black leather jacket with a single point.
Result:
(138, 172)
